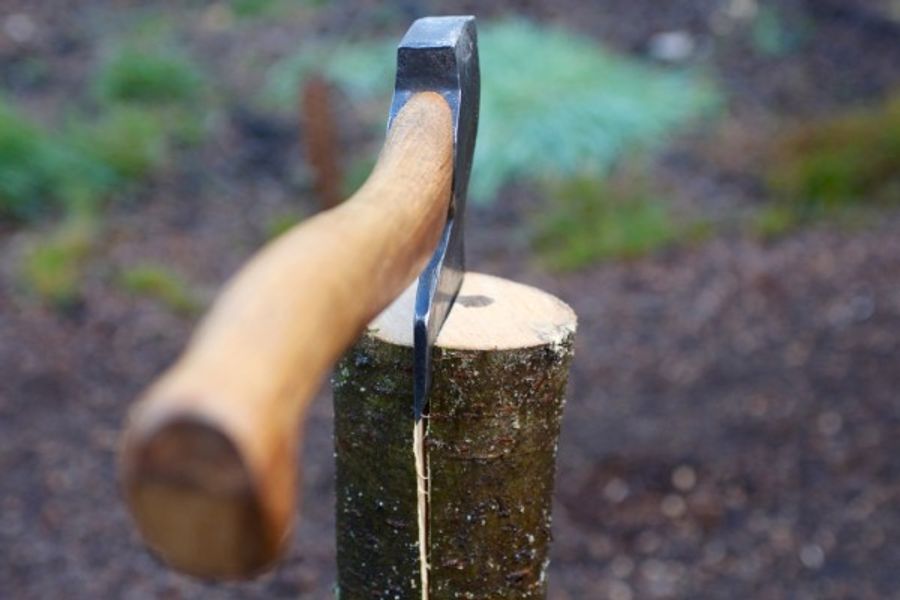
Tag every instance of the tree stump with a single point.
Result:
(500, 368)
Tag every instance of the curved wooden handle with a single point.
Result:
(208, 458)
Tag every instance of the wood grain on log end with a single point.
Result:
(490, 314)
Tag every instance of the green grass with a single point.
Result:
(161, 284)
(835, 168)
(851, 158)
(778, 219)
(42, 173)
(149, 105)
(130, 142)
(248, 9)
(591, 220)
(269, 9)
(52, 268)
(164, 88)
(147, 76)
(570, 107)
(28, 163)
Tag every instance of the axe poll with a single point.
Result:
(208, 455)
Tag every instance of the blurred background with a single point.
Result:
(713, 185)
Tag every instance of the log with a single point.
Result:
(500, 368)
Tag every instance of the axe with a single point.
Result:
(208, 459)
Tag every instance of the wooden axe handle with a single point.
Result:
(209, 454)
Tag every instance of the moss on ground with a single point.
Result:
(152, 78)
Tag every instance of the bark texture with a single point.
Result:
(491, 440)
(377, 535)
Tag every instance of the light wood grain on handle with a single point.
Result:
(208, 458)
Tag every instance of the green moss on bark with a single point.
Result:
(377, 536)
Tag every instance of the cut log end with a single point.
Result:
(196, 503)
(490, 313)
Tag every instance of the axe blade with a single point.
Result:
(440, 54)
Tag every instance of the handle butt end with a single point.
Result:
(196, 502)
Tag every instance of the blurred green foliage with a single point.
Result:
(162, 87)
(834, 167)
(556, 104)
(148, 104)
(854, 157)
(161, 284)
(774, 220)
(267, 9)
(41, 172)
(132, 143)
(364, 70)
(592, 219)
(52, 268)
(252, 8)
(553, 104)
(775, 33)
(28, 164)
(148, 77)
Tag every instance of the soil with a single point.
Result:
(732, 425)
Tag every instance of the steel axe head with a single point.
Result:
(440, 54)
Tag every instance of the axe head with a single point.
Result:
(440, 54)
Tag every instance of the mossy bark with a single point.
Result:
(377, 535)
(491, 443)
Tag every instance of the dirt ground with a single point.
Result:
(733, 425)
